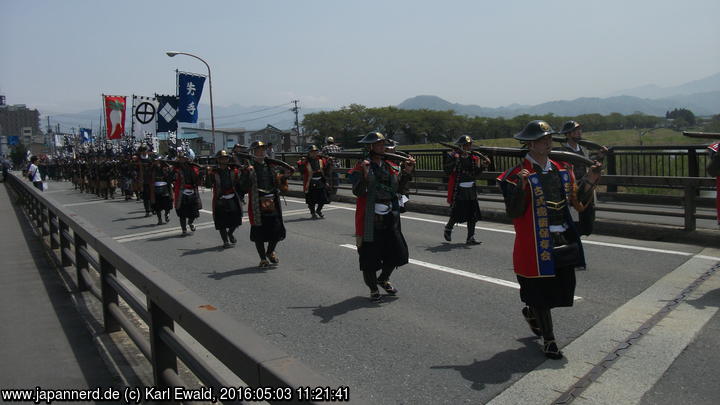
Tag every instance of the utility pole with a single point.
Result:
(296, 109)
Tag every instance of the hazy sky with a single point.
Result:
(59, 56)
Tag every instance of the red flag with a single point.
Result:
(115, 116)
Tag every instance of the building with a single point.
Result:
(203, 143)
(18, 120)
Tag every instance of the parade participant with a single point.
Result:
(332, 147)
(713, 169)
(404, 193)
(144, 168)
(187, 197)
(161, 196)
(379, 239)
(127, 172)
(463, 168)
(106, 178)
(315, 172)
(538, 193)
(262, 183)
(573, 132)
(226, 203)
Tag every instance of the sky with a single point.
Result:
(60, 56)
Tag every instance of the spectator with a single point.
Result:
(34, 173)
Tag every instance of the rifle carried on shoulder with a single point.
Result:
(582, 142)
(563, 156)
(472, 152)
(361, 155)
(704, 135)
(274, 161)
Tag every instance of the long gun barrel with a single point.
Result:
(269, 159)
(563, 156)
(581, 142)
(362, 155)
(705, 135)
(473, 151)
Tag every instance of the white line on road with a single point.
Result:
(177, 230)
(86, 202)
(584, 241)
(463, 273)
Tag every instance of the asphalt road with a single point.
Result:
(453, 334)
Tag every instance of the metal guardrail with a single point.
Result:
(168, 303)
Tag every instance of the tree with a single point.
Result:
(18, 154)
(687, 116)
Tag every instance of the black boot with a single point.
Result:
(544, 319)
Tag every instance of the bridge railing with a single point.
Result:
(168, 303)
(429, 180)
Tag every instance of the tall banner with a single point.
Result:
(167, 113)
(115, 116)
(144, 115)
(85, 135)
(190, 86)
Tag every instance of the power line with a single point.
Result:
(253, 112)
(265, 116)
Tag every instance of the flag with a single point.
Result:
(167, 113)
(115, 116)
(144, 115)
(13, 140)
(85, 135)
(190, 88)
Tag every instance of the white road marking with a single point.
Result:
(177, 230)
(584, 241)
(463, 273)
(87, 202)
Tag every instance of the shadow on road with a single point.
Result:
(129, 218)
(351, 304)
(153, 225)
(189, 252)
(709, 299)
(303, 219)
(500, 367)
(447, 247)
(239, 272)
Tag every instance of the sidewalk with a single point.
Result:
(43, 340)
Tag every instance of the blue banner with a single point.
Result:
(85, 135)
(167, 113)
(190, 88)
(13, 140)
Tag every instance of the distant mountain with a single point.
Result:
(708, 84)
(707, 103)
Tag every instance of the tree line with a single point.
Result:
(349, 123)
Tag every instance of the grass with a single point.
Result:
(624, 137)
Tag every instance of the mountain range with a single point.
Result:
(702, 97)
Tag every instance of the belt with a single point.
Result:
(556, 205)
(228, 196)
(317, 177)
(467, 184)
(188, 192)
(160, 183)
(382, 209)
